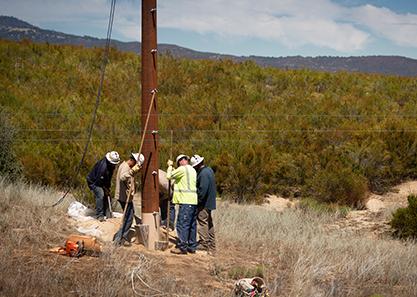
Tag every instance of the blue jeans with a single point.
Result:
(187, 227)
(127, 223)
(101, 201)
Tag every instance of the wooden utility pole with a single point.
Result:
(150, 180)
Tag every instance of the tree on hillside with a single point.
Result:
(9, 165)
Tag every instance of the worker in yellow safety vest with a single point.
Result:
(185, 194)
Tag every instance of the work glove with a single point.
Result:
(135, 169)
(141, 160)
(170, 163)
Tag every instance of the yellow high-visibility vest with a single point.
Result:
(185, 184)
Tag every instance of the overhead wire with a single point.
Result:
(97, 102)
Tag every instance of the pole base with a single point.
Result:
(152, 220)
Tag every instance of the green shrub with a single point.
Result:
(9, 164)
(338, 184)
(404, 220)
(242, 173)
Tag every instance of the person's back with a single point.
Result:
(99, 181)
(185, 185)
(206, 183)
(206, 190)
(185, 194)
(122, 182)
(125, 189)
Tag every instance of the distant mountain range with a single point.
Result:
(12, 28)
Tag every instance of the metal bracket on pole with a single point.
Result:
(154, 52)
(153, 12)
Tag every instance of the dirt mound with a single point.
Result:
(278, 203)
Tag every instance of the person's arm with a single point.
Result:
(176, 173)
(124, 173)
(105, 175)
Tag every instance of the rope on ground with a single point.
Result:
(140, 270)
(93, 120)
(143, 269)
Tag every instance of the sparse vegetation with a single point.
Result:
(404, 220)
(300, 257)
(292, 251)
(29, 227)
(289, 250)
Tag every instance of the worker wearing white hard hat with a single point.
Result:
(185, 194)
(99, 182)
(196, 160)
(126, 171)
(206, 192)
(180, 158)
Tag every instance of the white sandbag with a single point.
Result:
(78, 211)
(117, 214)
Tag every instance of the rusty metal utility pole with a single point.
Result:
(150, 181)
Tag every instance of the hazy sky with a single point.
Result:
(243, 27)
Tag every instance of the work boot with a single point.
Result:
(101, 218)
(201, 248)
(126, 242)
(178, 251)
(191, 251)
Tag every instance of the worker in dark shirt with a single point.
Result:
(206, 192)
(99, 181)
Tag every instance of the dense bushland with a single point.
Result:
(9, 164)
(329, 136)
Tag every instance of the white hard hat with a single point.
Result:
(195, 160)
(139, 158)
(113, 157)
(181, 157)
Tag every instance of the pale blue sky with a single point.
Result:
(243, 27)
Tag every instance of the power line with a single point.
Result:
(224, 139)
(276, 115)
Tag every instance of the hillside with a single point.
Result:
(15, 29)
(328, 136)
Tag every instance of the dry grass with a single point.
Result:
(301, 258)
(291, 250)
(29, 227)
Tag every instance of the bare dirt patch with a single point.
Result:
(374, 220)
